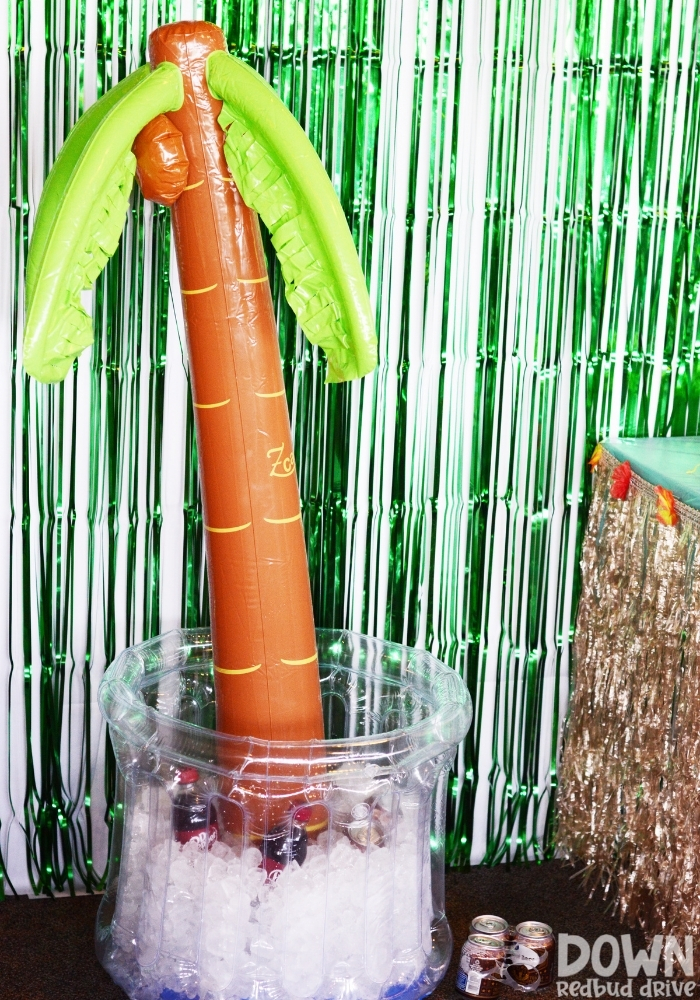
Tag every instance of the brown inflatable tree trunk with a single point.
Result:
(267, 683)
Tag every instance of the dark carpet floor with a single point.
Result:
(46, 946)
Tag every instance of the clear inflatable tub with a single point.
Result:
(243, 869)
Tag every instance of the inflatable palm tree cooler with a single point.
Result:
(279, 828)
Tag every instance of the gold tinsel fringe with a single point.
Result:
(629, 801)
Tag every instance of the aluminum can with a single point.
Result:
(481, 966)
(492, 926)
(531, 959)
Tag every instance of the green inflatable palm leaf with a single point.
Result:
(280, 176)
(81, 216)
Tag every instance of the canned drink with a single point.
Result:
(373, 825)
(492, 926)
(531, 957)
(481, 966)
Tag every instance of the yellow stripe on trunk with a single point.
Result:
(201, 291)
(211, 406)
(227, 531)
(244, 670)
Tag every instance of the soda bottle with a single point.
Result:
(194, 818)
(283, 845)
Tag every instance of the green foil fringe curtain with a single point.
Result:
(522, 182)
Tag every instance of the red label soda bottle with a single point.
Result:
(194, 818)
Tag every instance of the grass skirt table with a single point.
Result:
(629, 803)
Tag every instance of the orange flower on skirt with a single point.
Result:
(666, 507)
(596, 456)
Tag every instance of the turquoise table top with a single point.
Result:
(670, 462)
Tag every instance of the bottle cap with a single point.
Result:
(187, 776)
